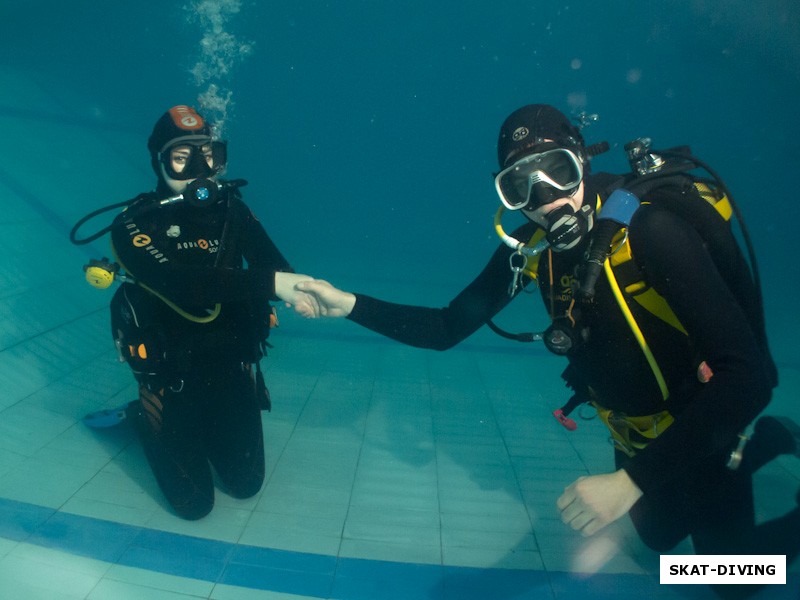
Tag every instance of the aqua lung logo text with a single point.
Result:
(567, 283)
(202, 244)
(141, 240)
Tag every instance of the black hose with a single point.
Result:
(74, 232)
(596, 255)
(517, 337)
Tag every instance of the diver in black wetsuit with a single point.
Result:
(714, 370)
(191, 320)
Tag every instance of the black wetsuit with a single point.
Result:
(687, 488)
(200, 399)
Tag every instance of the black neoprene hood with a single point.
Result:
(530, 125)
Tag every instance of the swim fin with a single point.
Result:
(108, 417)
(782, 431)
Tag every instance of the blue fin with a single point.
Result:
(108, 417)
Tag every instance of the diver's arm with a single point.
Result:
(189, 285)
(263, 258)
(156, 263)
(258, 248)
(680, 268)
(424, 327)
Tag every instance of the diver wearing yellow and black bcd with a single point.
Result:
(679, 192)
(694, 264)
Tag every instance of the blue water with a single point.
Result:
(367, 132)
(359, 123)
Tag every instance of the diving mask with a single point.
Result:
(192, 157)
(540, 178)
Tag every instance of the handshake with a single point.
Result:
(313, 298)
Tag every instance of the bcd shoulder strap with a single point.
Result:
(682, 195)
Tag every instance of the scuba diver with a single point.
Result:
(659, 315)
(190, 320)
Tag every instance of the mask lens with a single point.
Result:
(219, 154)
(561, 166)
(179, 160)
(513, 187)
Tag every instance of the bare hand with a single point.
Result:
(285, 289)
(329, 301)
(591, 503)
